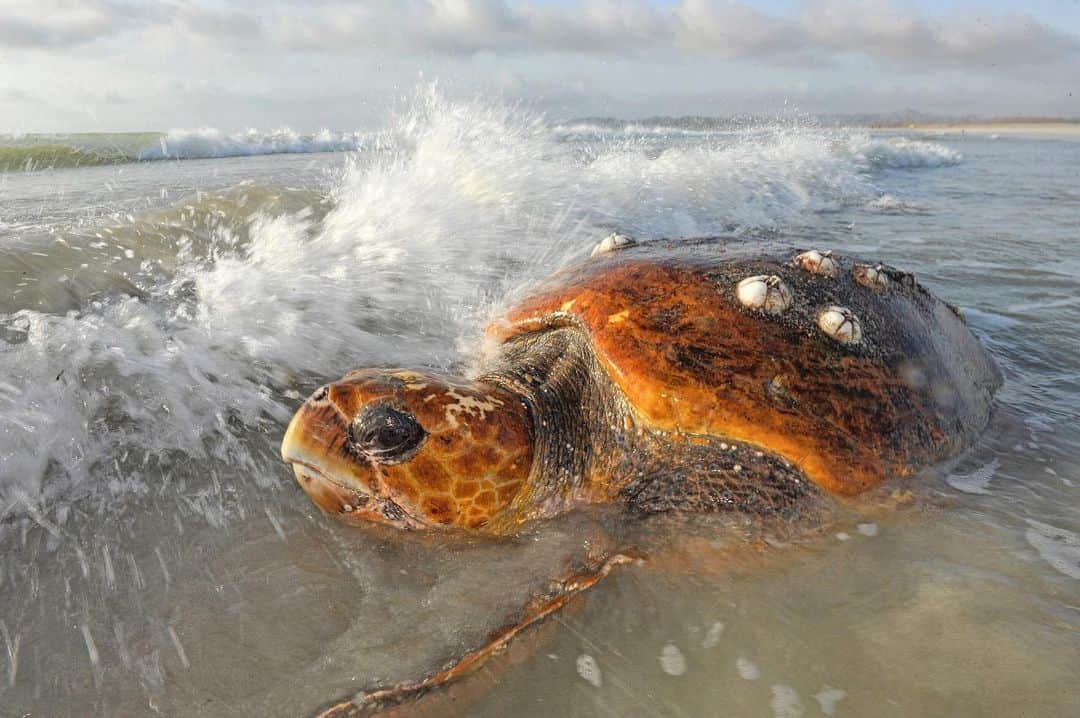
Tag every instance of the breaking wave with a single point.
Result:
(38, 152)
(592, 128)
(209, 143)
(180, 329)
(902, 153)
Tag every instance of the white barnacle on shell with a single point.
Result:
(872, 277)
(817, 262)
(841, 324)
(613, 241)
(765, 293)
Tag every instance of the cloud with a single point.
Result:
(16, 96)
(64, 23)
(598, 26)
(879, 29)
(461, 27)
(733, 30)
(723, 29)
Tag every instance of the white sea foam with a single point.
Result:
(90, 386)
(629, 129)
(976, 481)
(208, 142)
(888, 204)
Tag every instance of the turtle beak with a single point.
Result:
(327, 494)
(312, 444)
(314, 430)
(335, 478)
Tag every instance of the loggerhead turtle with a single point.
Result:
(687, 376)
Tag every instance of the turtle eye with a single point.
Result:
(386, 434)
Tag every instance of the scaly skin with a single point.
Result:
(475, 457)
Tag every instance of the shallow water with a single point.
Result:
(159, 322)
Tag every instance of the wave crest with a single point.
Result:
(208, 143)
(902, 153)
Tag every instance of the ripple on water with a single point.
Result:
(1058, 547)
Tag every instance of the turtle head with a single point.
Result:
(410, 450)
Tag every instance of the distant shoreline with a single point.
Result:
(1012, 127)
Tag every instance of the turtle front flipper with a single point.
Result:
(555, 597)
(703, 474)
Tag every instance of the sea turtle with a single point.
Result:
(692, 376)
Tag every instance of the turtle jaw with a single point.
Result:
(354, 507)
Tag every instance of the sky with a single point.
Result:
(124, 65)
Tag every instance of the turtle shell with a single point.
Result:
(667, 325)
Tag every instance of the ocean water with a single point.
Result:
(161, 320)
